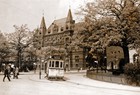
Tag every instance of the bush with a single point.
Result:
(132, 73)
(116, 72)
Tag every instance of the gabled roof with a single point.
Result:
(60, 23)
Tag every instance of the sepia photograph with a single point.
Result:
(69, 47)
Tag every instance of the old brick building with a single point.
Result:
(57, 39)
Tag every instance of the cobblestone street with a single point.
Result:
(75, 84)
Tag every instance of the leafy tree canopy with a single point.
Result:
(110, 22)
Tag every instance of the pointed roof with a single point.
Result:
(69, 16)
(43, 25)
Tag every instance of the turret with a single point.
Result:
(43, 28)
(69, 21)
(42, 31)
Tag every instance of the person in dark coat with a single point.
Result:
(6, 74)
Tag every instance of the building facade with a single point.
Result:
(56, 40)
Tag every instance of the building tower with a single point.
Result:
(69, 28)
(69, 21)
(42, 31)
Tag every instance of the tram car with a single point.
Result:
(54, 68)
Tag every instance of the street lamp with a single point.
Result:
(41, 61)
(39, 54)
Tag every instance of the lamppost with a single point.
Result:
(40, 61)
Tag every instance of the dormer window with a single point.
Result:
(55, 28)
(49, 32)
(62, 29)
(67, 27)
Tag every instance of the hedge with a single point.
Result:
(132, 73)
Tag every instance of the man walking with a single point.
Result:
(6, 74)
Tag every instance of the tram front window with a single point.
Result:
(53, 64)
(61, 65)
(57, 64)
(50, 64)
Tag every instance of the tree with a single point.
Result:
(4, 49)
(113, 22)
(19, 40)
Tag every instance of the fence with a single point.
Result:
(107, 77)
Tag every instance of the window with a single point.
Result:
(62, 29)
(61, 64)
(67, 27)
(55, 28)
(57, 64)
(76, 65)
(50, 64)
(49, 32)
(118, 51)
(53, 64)
(76, 58)
(67, 40)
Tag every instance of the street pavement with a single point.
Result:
(76, 83)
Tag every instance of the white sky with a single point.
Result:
(30, 12)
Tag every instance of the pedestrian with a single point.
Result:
(9, 70)
(16, 73)
(6, 74)
(14, 69)
(34, 67)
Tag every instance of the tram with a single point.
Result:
(54, 68)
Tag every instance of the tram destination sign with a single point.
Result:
(57, 57)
